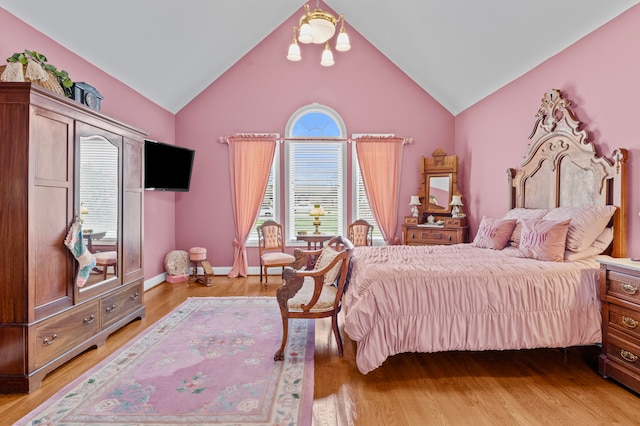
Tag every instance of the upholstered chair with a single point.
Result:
(360, 233)
(271, 248)
(315, 291)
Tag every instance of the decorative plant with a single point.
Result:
(61, 75)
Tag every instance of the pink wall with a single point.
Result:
(120, 102)
(259, 94)
(599, 74)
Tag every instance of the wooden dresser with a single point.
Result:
(452, 231)
(620, 295)
(45, 317)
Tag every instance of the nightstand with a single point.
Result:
(453, 230)
(620, 295)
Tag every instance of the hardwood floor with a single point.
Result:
(535, 387)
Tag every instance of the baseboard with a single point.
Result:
(217, 270)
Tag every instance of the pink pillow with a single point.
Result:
(586, 224)
(520, 213)
(598, 247)
(494, 233)
(544, 239)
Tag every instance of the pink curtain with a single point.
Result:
(250, 159)
(380, 159)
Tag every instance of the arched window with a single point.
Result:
(315, 172)
(315, 156)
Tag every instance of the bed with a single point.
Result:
(528, 280)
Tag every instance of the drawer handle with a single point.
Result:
(46, 341)
(628, 356)
(111, 308)
(629, 288)
(629, 322)
(89, 320)
(135, 296)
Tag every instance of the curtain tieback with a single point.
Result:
(238, 244)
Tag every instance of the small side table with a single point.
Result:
(316, 239)
(199, 255)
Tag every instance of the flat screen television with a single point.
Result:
(167, 167)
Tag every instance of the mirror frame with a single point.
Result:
(438, 165)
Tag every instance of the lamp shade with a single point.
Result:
(415, 200)
(456, 200)
(294, 52)
(306, 33)
(327, 57)
(342, 44)
(316, 210)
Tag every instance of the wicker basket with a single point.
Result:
(51, 84)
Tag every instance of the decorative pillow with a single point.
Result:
(326, 257)
(494, 233)
(520, 213)
(586, 224)
(544, 239)
(599, 245)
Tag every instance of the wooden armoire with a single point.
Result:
(45, 317)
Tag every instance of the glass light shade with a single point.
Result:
(294, 52)
(317, 210)
(84, 210)
(415, 200)
(456, 200)
(327, 57)
(322, 29)
(342, 44)
(306, 33)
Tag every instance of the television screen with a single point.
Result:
(167, 167)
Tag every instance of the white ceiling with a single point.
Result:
(459, 51)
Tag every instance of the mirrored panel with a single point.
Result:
(98, 191)
(439, 184)
(439, 193)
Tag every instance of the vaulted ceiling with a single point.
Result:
(459, 51)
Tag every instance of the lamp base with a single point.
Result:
(316, 223)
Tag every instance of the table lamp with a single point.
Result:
(456, 202)
(316, 212)
(414, 203)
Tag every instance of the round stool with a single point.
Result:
(199, 255)
(104, 259)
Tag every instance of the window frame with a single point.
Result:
(290, 236)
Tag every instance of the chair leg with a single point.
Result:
(266, 276)
(279, 355)
(336, 332)
(261, 266)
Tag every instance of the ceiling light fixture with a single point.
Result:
(318, 27)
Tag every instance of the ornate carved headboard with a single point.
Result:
(561, 169)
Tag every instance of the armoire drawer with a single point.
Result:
(120, 303)
(56, 335)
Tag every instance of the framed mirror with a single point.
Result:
(439, 183)
(98, 198)
(438, 193)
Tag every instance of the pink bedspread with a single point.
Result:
(446, 298)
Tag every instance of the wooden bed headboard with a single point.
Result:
(561, 169)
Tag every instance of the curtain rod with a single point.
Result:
(281, 140)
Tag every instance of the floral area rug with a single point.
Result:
(208, 362)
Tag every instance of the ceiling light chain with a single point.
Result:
(318, 27)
